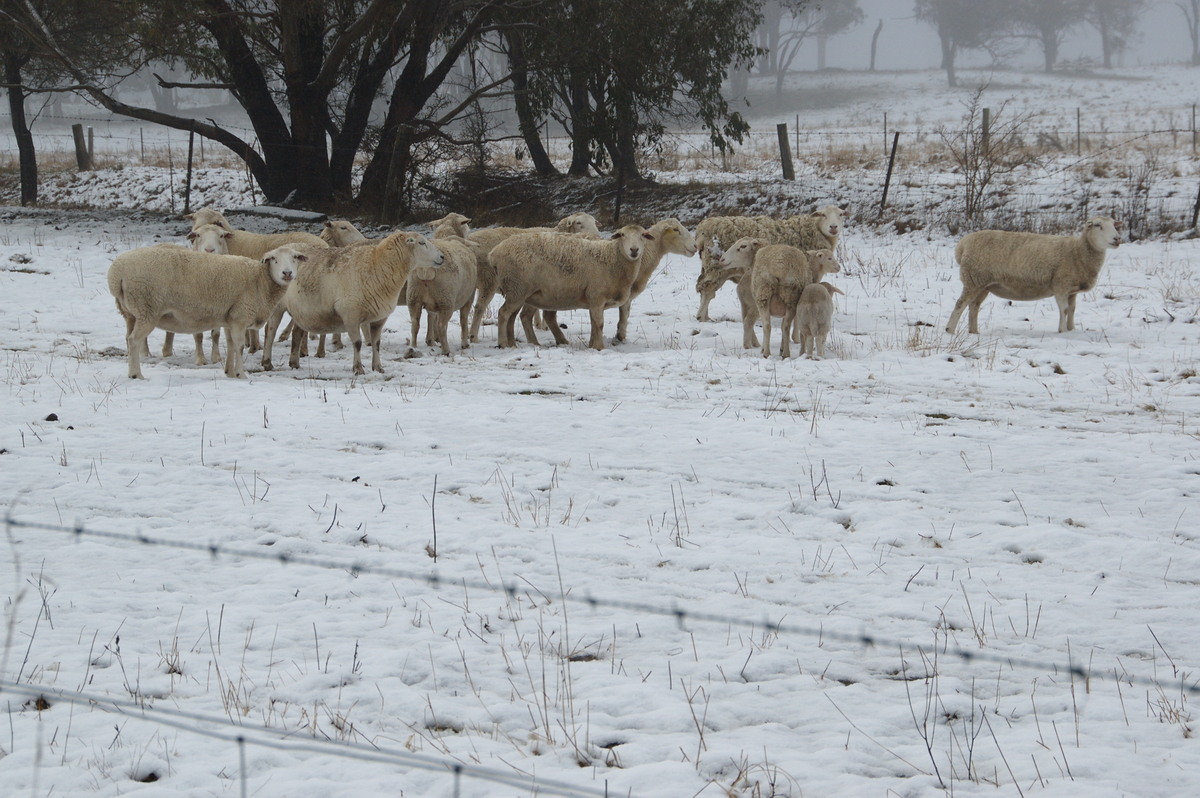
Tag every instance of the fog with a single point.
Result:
(908, 44)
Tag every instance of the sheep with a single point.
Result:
(820, 229)
(814, 316)
(443, 290)
(348, 289)
(250, 245)
(1028, 266)
(450, 225)
(549, 271)
(773, 278)
(665, 236)
(583, 224)
(340, 233)
(184, 291)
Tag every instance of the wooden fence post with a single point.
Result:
(187, 183)
(785, 152)
(887, 181)
(82, 159)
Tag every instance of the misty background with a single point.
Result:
(906, 43)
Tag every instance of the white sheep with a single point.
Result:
(1028, 266)
(451, 225)
(340, 233)
(184, 291)
(580, 223)
(348, 289)
(665, 236)
(820, 229)
(773, 278)
(552, 272)
(442, 290)
(814, 317)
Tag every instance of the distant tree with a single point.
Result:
(807, 20)
(615, 88)
(1047, 22)
(965, 25)
(1191, 14)
(1117, 23)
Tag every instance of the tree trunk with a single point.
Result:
(875, 44)
(581, 124)
(301, 33)
(527, 121)
(948, 53)
(26, 153)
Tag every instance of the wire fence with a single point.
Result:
(225, 729)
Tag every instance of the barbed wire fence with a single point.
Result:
(1186, 682)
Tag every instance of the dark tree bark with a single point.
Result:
(26, 153)
(527, 121)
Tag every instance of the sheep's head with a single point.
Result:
(456, 223)
(630, 240)
(284, 262)
(210, 238)
(829, 220)
(208, 216)
(1102, 232)
(741, 254)
(422, 253)
(580, 222)
(822, 262)
(676, 238)
(340, 233)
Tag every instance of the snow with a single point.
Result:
(930, 563)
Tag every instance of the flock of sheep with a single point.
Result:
(343, 282)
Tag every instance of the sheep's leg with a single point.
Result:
(596, 341)
(749, 339)
(298, 336)
(622, 320)
(321, 345)
(481, 305)
(443, 329)
(1066, 312)
(527, 312)
(198, 339)
(785, 329)
(464, 324)
(414, 327)
(764, 313)
(796, 330)
(287, 331)
(551, 317)
(168, 345)
(973, 313)
(964, 299)
(539, 321)
(433, 325)
(705, 298)
(253, 343)
(820, 344)
(337, 340)
(269, 337)
(506, 320)
(215, 334)
(235, 342)
(374, 332)
(133, 345)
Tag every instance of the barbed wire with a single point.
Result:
(1183, 681)
(266, 737)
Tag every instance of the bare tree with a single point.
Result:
(1117, 23)
(1048, 22)
(965, 25)
(1191, 14)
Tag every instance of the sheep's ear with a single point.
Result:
(834, 289)
(617, 234)
(648, 235)
(227, 234)
(192, 236)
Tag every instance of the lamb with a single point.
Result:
(443, 290)
(184, 291)
(580, 223)
(774, 276)
(1028, 266)
(549, 271)
(814, 317)
(348, 289)
(665, 236)
(818, 230)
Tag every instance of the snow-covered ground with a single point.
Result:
(930, 563)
